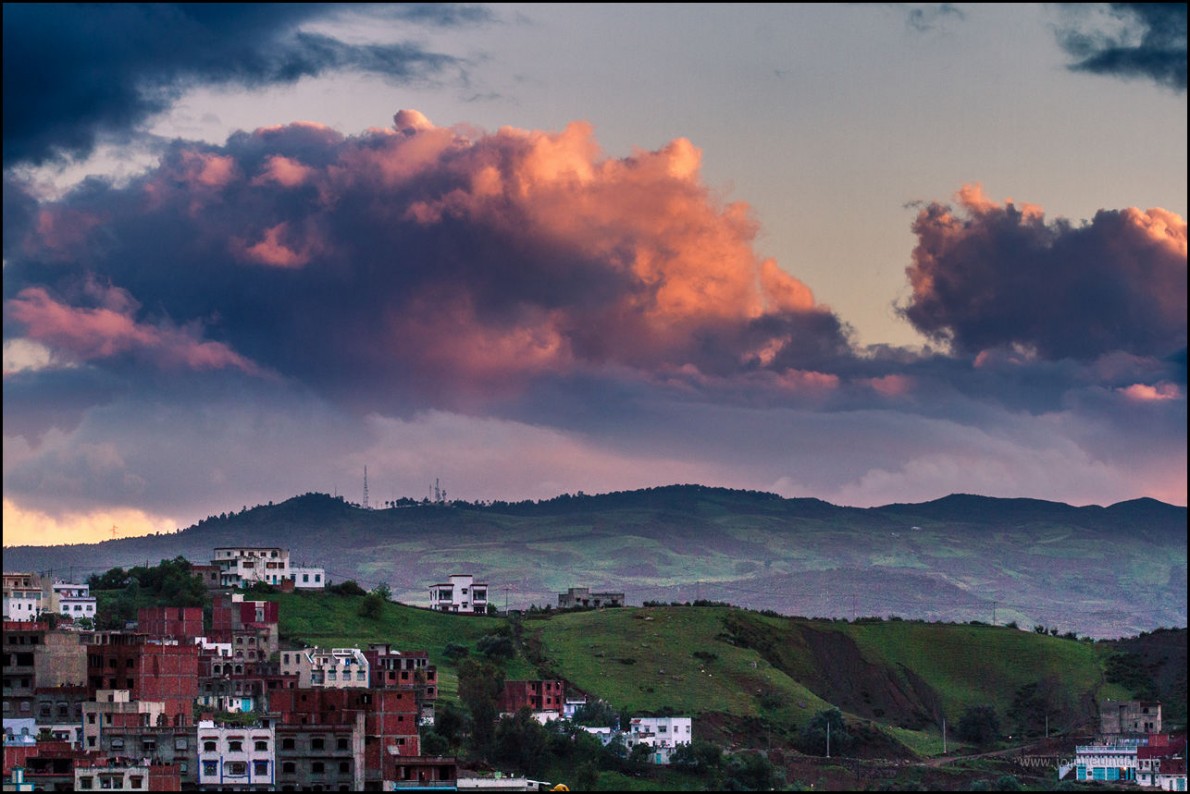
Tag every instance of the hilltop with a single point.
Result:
(1101, 571)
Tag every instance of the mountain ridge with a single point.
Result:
(1105, 571)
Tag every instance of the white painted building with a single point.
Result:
(334, 668)
(662, 734)
(461, 594)
(231, 756)
(1105, 762)
(71, 599)
(244, 566)
(23, 599)
(305, 578)
(127, 776)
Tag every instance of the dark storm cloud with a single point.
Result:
(989, 275)
(76, 73)
(420, 263)
(1130, 40)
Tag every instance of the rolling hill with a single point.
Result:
(1100, 571)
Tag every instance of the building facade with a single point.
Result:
(583, 597)
(236, 756)
(72, 600)
(460, 594)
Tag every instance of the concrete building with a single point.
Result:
(1105, 762)
(333, 668)
(244, 566)
(420, 772)
(149, 670)
(1129, 718)
(537, 696)
(72, 600)
(461, 594)
(583, 597)
(409, 670)
(115, 708)
(662, 734)
(325, 756)
(236, 757)
(1171, 776)
(307, 578)
(164, 744)
(36, 656)
(23, 597)
(390, 719)
(126, 774)
(180, 623)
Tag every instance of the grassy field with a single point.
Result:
(645, 660)
(738, 665)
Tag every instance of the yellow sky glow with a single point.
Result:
(24, 527)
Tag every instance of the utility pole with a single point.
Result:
(994, 613)
(1047, 725)
(828, 737)
(853, 607)
(944, 735)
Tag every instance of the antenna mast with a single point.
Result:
(366, 488)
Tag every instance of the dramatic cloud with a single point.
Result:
(419, 262)
(988, 275)
(77, 72)
(108, 329)
(1130, 40)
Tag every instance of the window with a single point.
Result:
(136, 781)
(288, 768)
(210, 768)
(150, 744)
(86, 782)
(208, 747)
(236, 768)
(344, 767)
(260, 768)
(317, 767)
(287, 744)
(235, 746)
(317, 743)
(118, 743)
(262, 745)
(341, 744)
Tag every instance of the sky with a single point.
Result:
(868, 253)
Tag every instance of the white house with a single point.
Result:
(126, 776)
(244, 566)
(334, 668)
(1105, 762)
(22, 596)
(662, 734)
(305, 578)
(461, 594)
(231, 756)
(74, 600)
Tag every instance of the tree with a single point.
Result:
(372, 607)
(454, 651)
(813, 737)
(750, 772)
(979, 725)
(496, 647)
(384, 591)
(520, 741)
(480, 685)
(597, 713)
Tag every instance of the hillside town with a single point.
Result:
(165, 704)
(172, 702)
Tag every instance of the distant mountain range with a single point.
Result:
(1101, 571)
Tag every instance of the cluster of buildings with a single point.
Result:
(169, 705)
(243, 566)
(27, 596)
(1130, 748)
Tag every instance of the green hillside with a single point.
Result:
(749, 674)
